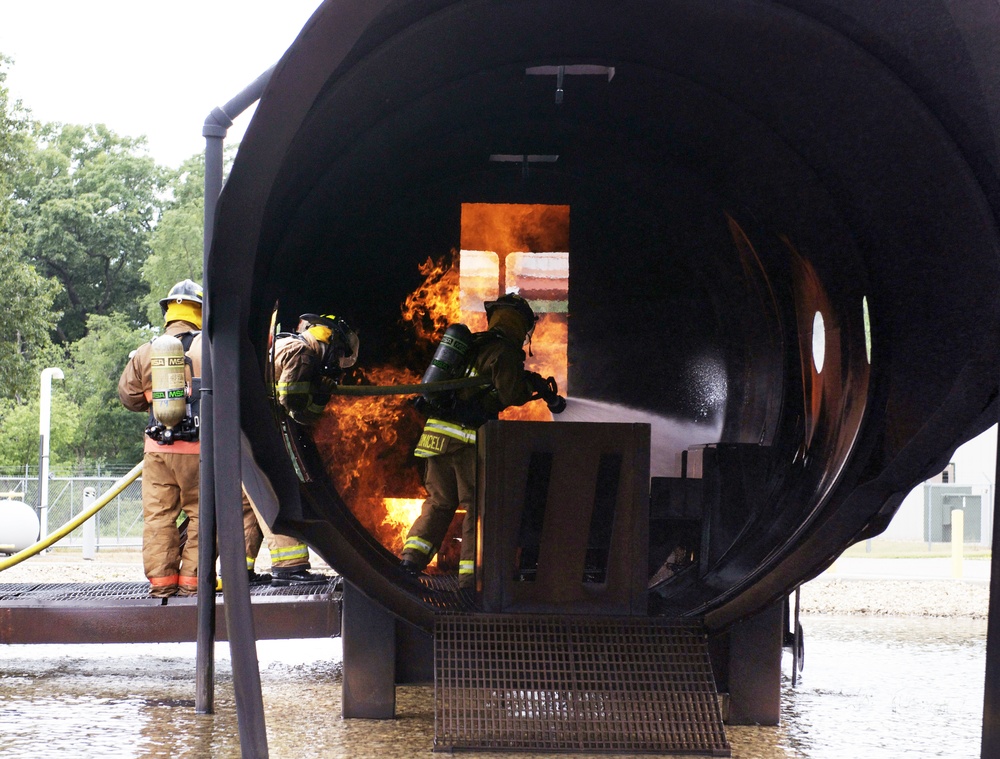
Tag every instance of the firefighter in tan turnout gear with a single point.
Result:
(170, 474)
(307, 364)
(447, 443)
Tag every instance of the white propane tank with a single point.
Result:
(18, 526)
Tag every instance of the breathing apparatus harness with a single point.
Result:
(174, 413)
(452, 361)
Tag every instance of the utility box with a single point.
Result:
(940, 500)
(563, 509)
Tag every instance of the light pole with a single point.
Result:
(44, 423)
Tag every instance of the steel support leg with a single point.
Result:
(755, 647)
(991, 693)
(368, 633)
(204, 702)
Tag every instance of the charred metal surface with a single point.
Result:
(564, 510)
(754, 177)
(369, 635)
(747, 662)
(124, 613)
(558, 683)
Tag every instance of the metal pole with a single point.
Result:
(44, 425)
(991, 692)
(90, 526)
(249, 704)
(205, 647)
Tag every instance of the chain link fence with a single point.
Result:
(118, 525)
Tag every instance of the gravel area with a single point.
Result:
(69, 566)
(897, 598)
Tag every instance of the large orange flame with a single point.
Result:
(366, 442)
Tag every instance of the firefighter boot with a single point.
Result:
(257, 580)
(282, 576)
(410, 567)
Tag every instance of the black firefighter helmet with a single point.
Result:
(519, 304)
(342, 351)
(187, 290)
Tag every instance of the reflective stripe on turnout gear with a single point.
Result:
(293, 388)
(184, 581)
(299, 551)
(414, 543)
(251, 562)
(433, 439)
(466, 567)
(162, 582)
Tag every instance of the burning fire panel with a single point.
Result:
(523, 249)
(586, 684)
(478, 279)
(542, 278)
(366, 442)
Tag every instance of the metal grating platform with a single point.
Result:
(574, 683)
(124, 612)
(83, 591)
(443, 594)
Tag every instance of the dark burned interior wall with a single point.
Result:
(739, 149)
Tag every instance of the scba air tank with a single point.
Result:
(169, 392)
(449, 360)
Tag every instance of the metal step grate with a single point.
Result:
(83, 591)
(574, 683)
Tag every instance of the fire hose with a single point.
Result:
(423, 387)
(553, 400)
(72, 524)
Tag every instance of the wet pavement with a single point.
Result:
(874, 688)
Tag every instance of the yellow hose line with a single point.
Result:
(75, 522)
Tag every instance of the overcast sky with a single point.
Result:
(144, 67)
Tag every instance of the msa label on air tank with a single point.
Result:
(160, 395)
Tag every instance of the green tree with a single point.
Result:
(87, 205)
(26, 320)
(19, 430)
(106, 431)
(89, 423)
(27, 316)
(178, 238)
(14, 145)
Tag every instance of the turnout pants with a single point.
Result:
(169, 485)
(286, 552)
(450, 480)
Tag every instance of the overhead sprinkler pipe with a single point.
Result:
(216, 127)
(44, 425)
